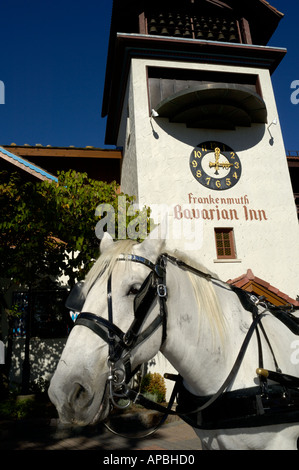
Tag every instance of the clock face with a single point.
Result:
(215, 165)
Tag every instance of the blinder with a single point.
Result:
(142, 301)
(76, 298)
(145, 295)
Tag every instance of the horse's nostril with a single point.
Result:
(81, 396)
(79, 392)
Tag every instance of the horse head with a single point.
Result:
(119, 328)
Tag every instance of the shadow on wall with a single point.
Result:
(44, 356)
(243, 138)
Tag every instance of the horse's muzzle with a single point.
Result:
(77, 404)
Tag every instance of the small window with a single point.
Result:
(225, 245)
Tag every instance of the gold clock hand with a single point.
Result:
(216, 164)
(226, 165)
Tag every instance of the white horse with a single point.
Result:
(205, 328)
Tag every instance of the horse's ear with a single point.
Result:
(106, 242)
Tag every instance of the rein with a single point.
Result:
(122, 343)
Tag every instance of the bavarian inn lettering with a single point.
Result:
(216, 211)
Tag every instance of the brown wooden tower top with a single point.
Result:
(248, 22)
(228, 32)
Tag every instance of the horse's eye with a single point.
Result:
(133, 290)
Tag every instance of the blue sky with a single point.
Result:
(52, 64)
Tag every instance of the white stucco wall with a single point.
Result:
(44, 357)
(157, 152)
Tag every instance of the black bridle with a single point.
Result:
(120, 343)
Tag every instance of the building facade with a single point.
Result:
(189, 98)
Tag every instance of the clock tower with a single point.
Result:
(189, 98)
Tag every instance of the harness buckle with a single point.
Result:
(258, 300)
(162, 290)
(127, 339)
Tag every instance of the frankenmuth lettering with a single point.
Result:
(217, 200)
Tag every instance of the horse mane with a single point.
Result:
(205, 294)
(204, 290)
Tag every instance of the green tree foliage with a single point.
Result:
(25, 248)
(69, 207)
(48, 228)
(154, 384)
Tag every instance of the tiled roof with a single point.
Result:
(246, 280)
(26, 165)
(71, 151)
